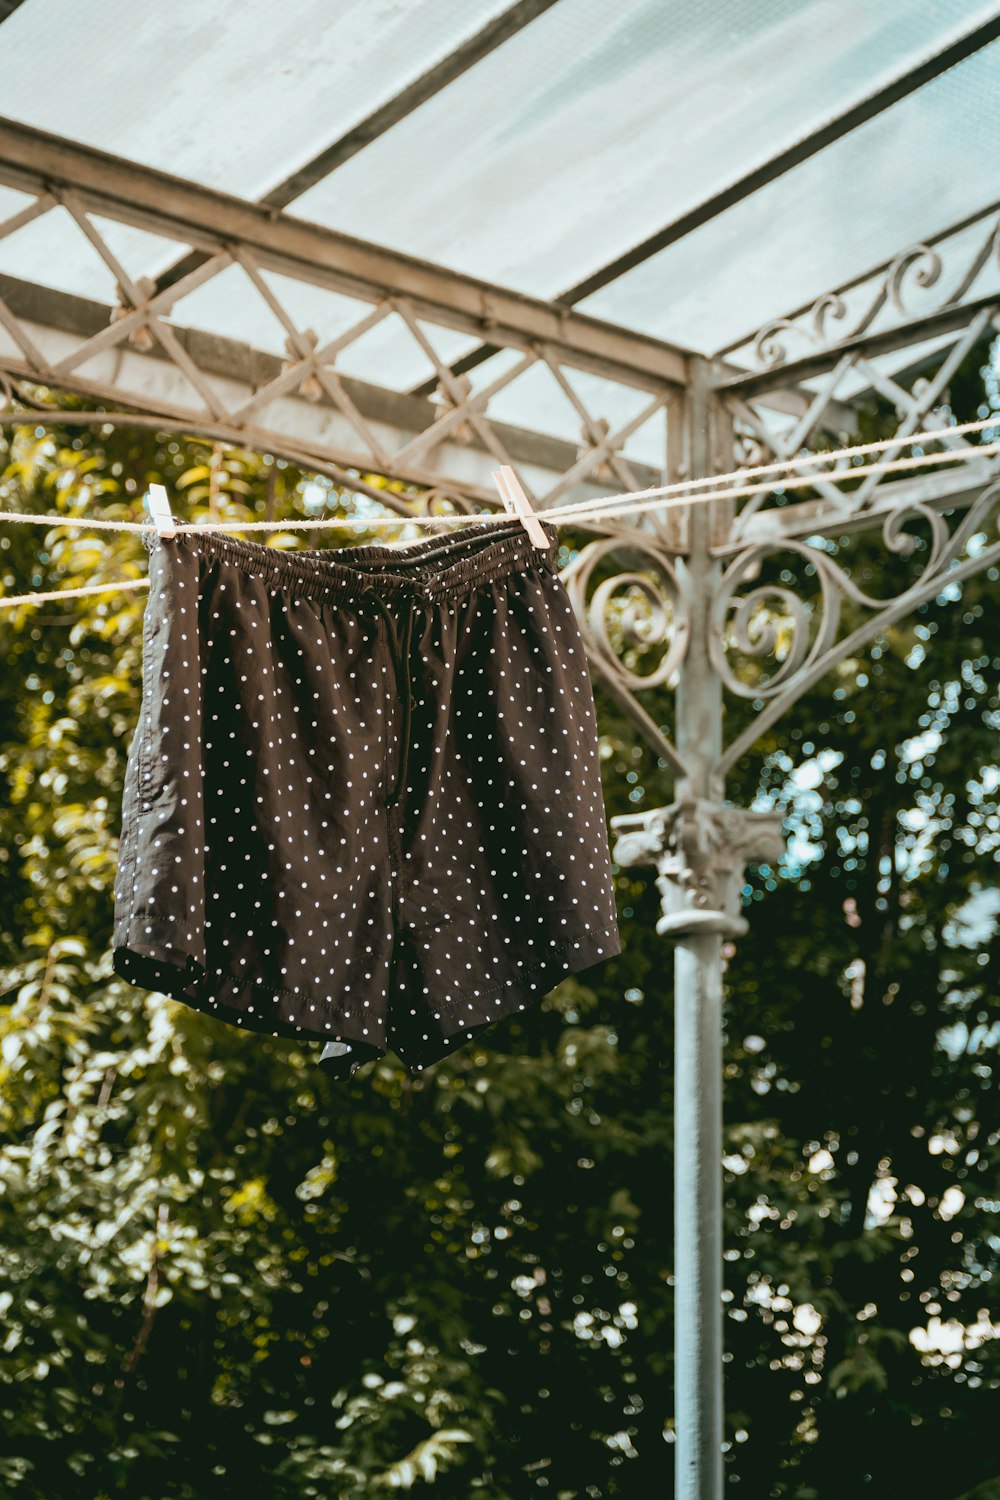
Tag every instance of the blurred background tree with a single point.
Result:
(222, 1269)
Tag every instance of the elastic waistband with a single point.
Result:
(440, 567)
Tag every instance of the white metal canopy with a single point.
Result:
(691, 170)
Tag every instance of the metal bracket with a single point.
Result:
(700, 850)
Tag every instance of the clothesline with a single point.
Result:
(87, 588)
(612, 505)
(625, 500)
(663, 497)
(789, 464)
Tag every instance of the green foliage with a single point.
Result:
(222, 1269)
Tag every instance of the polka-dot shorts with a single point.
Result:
(362, 802)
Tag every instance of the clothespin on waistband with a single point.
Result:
(516, 503)
(158, 503)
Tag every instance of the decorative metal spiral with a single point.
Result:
(750, 625)
(653, 612)
(918, 267)
(768, 349)
(829, 308)
(919, 264)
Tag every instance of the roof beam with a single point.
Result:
(137, 380)
(497, 31)
(768, 172)
(36, 162)
(945, 490)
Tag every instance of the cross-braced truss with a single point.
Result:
(297, 398)
(632, 584)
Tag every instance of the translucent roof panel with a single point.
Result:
(598, 124)
(561, 149)
(925, 163)
(236, 95)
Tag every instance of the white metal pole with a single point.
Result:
(698, 1036)
(698, 1216)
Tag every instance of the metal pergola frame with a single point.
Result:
(689, 582)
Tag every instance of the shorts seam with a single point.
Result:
(272, 989)
(153, 951)
(527, 971)
(143, 729)
(305, 995)
(207, 1005)
(145, 724)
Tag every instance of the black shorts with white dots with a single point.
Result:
(362, 802)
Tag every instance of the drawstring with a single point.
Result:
(401, 661)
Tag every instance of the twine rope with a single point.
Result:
(659, 497)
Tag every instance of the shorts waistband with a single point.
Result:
(440, 567)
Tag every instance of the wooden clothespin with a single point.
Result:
(158, 503)
(516, 503)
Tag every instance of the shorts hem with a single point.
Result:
(586, 943)
(170, 972)
(526, 987)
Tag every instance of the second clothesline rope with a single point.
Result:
(633, 503)
(664, 497)
(668, 496)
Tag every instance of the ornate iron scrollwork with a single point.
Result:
(916, 268)
(654, 610)
(642, 608)
(745, 624)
